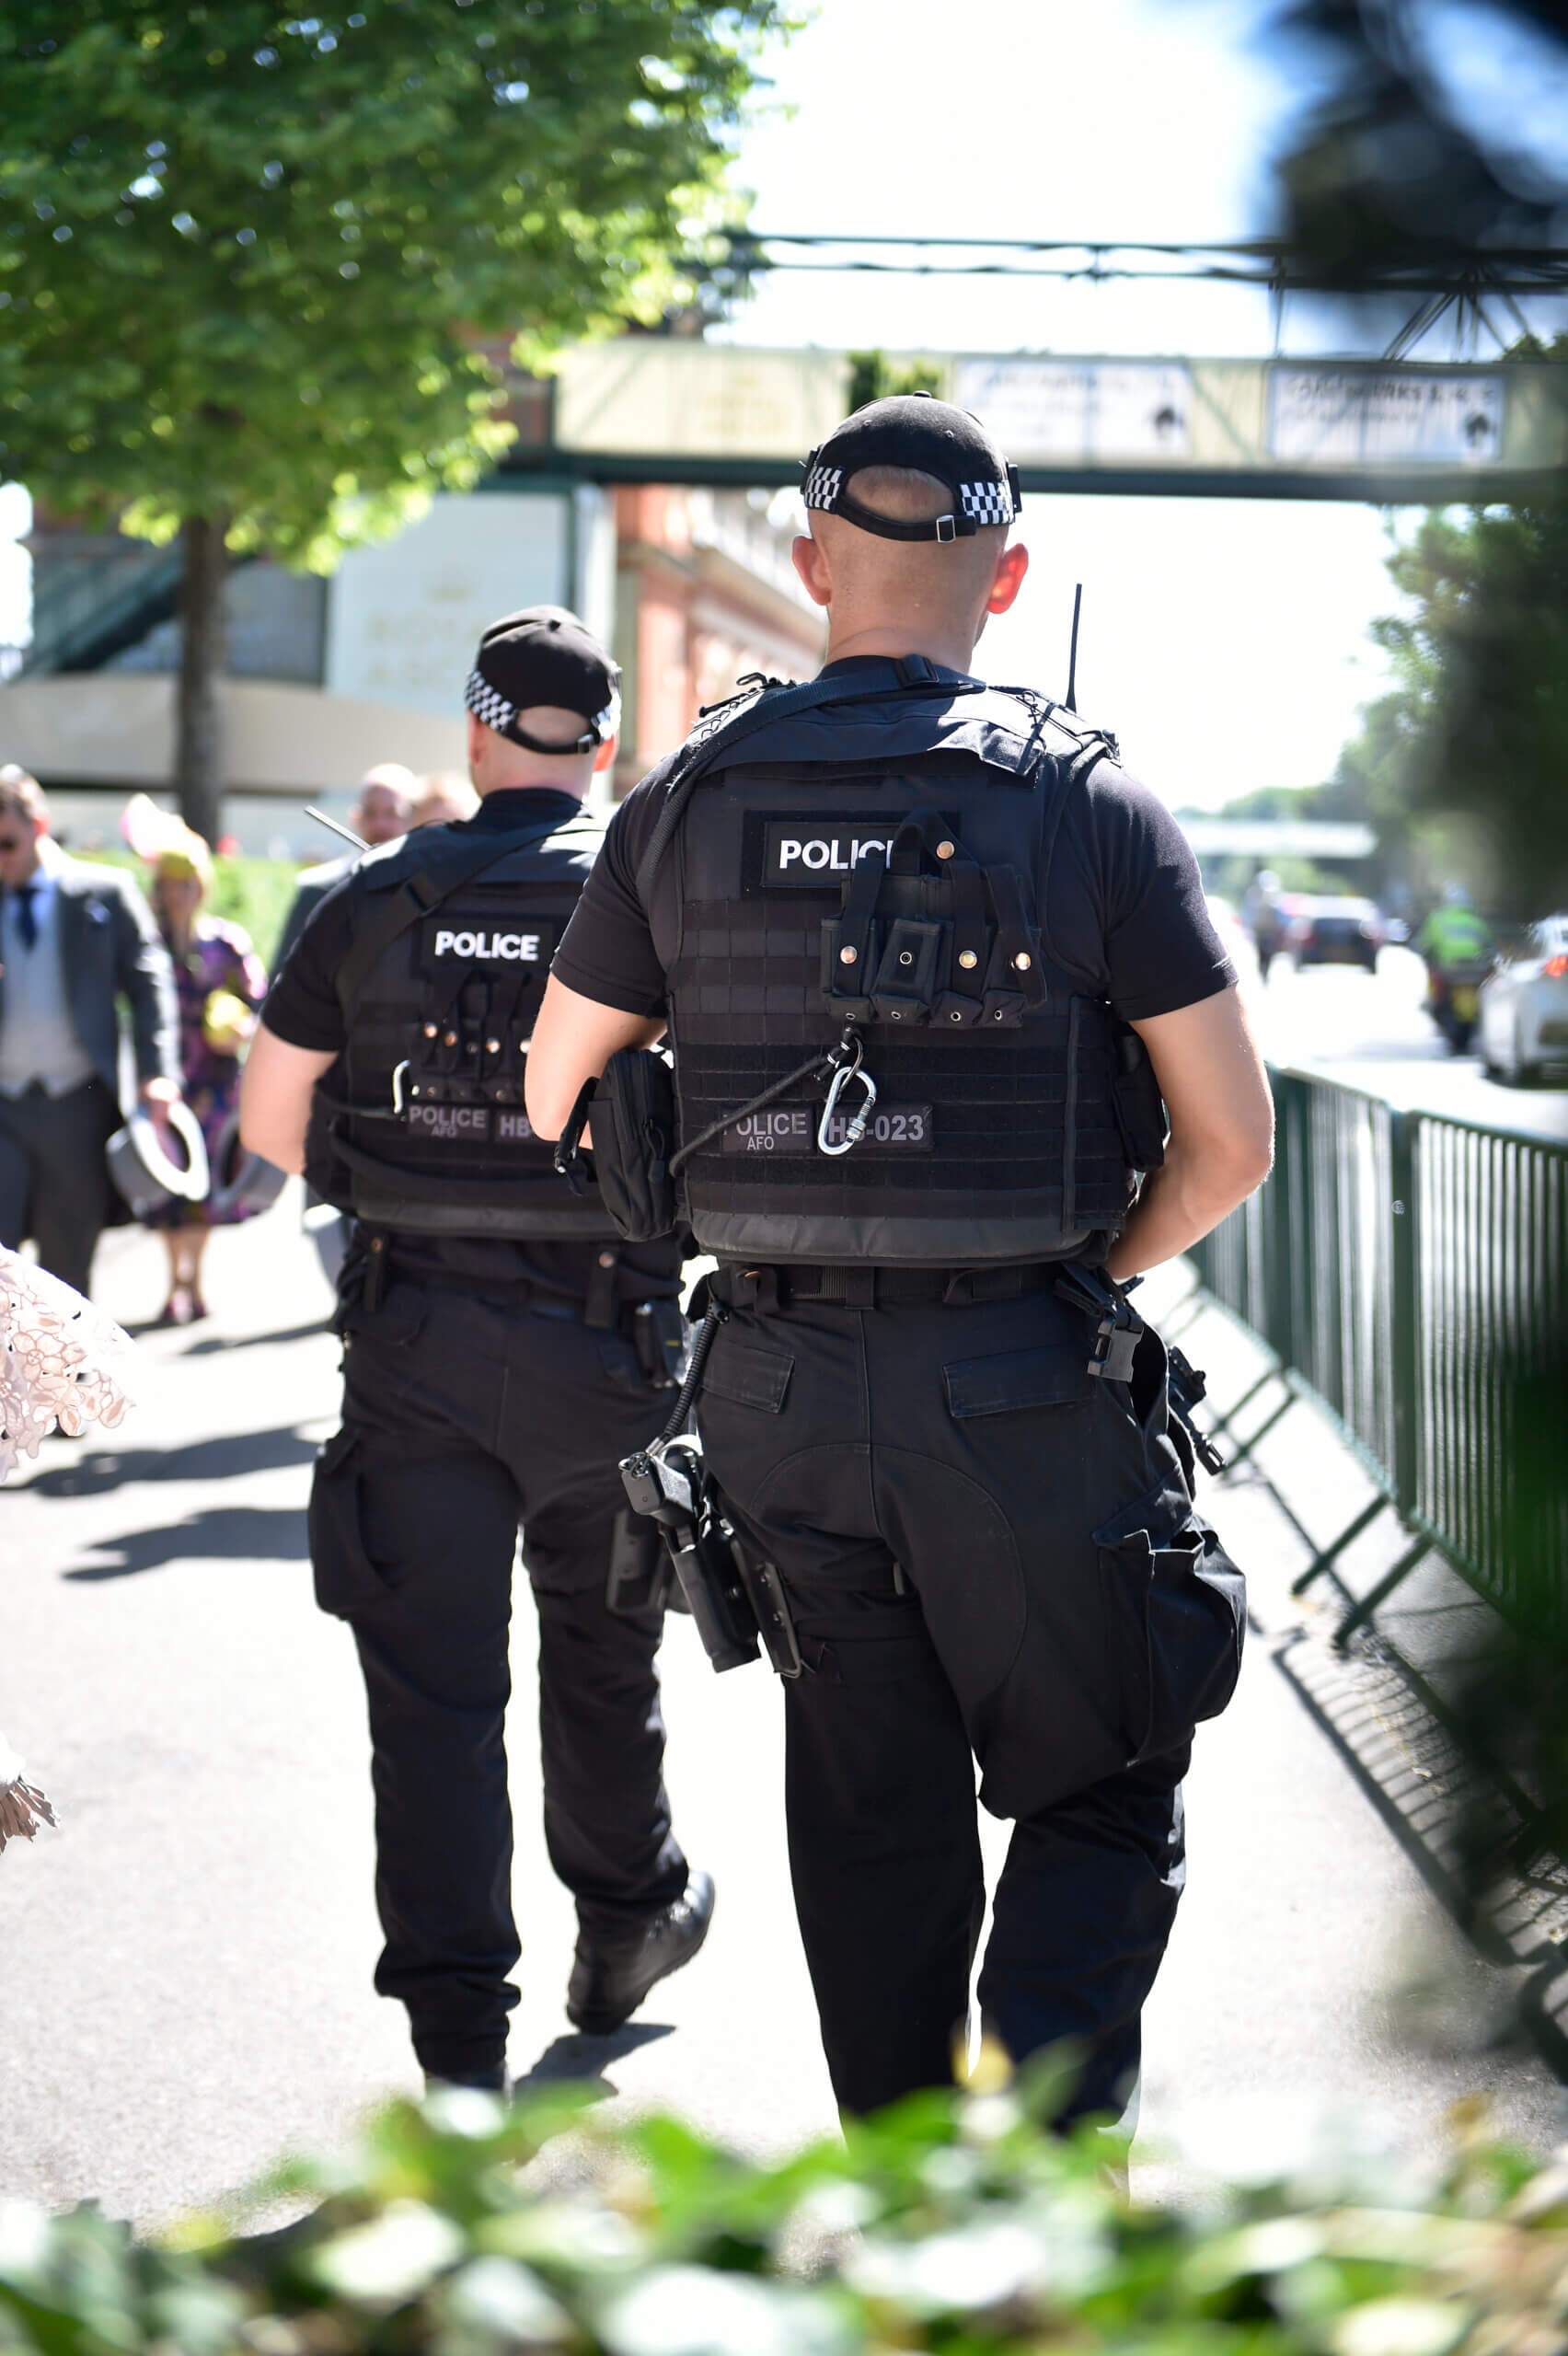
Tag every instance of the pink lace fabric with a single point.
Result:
(22, 1807)
(62, 1362)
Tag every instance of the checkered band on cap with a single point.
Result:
(486, 705)
(823, 487)
(987, 502)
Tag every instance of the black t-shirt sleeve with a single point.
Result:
(607, 951)
(1126, 906)
(1155, 948)
(302, 1007)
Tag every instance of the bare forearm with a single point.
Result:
(1181, 1203)
(574, 1038)
(275, 1095)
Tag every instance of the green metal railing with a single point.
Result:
(1408, 1271)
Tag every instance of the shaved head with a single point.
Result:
(919, 591)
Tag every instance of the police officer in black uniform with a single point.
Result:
(501, 1349)
(914, 942)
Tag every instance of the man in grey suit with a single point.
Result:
(73, 937)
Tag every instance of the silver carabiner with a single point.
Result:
(399, 1079)
(857, 1129)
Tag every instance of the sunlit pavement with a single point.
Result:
(1371, 1032)
(187, 1962)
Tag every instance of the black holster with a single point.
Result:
(632, 1108)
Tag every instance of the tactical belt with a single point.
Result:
(860, 1287)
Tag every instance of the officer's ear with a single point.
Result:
(812, 565)
(605, 753)
(478, 733)
(1012, 566)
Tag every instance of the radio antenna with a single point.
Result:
(1072, 653)
(347, 833)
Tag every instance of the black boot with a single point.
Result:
(608, 1982)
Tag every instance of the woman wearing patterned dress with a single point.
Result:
(220, 981)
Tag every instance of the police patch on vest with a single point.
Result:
(793, 1128)
(469, 1124)
(808, 850)
(448, 940)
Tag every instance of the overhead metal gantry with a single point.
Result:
(1460, 286)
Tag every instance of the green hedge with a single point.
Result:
(951, 2223)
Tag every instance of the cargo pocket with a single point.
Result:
(1176, 1606)
(750, 1377)
(347, 1582)
(1053, 1374)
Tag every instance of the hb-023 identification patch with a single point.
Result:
(487, 940)
(793, 1128)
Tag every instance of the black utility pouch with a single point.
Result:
(633, 1113)
(1140, 1108)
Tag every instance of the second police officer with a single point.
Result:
(501, 1349)
(928, 959)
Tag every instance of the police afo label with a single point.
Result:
(469, 1124)
(793, 1128)
(453, 941)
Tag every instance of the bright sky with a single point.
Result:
(1224, 639)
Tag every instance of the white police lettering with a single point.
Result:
(451, 1123)
(793, 1128)
(838, 855)
(512, 1128)
(781, 1130)
(806, 852)
(496, 948)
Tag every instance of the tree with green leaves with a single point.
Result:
(247, 258)
(1477, 723)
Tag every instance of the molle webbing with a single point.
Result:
(887, 868)
(435, 1131)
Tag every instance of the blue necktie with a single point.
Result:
(27, 923)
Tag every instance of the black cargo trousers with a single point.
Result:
(990, 1555)
(464, 1417)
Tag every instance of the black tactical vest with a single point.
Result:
(429, 1130)
(870, 876)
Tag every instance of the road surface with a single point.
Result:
(1370, 1030)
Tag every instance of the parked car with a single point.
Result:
(1333, 932)
(1524, 1006)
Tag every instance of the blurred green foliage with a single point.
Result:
(255, 893)
(245, 256)
(951, 2224)
(1477, 723)
(874, 377)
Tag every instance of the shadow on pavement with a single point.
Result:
(253, 1533)
(582, 2060)
(211, 1344)
(94, 1474)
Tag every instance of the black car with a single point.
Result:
(1333, 932)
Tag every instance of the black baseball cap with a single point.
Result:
(916, 429)
(544, 654)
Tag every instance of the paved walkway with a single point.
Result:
(187, 1963)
